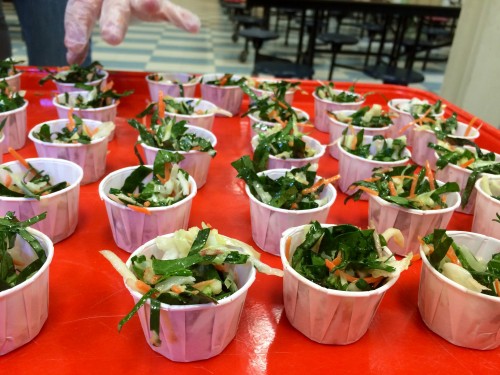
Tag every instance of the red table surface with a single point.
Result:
(88, 298)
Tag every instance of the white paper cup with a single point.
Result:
(460, 316)
(195, 332)
(264, 125)
(486, 210)
(455, 173)
(25, 307)
(225, 97)
(196, 163)
(325, 315)
(402, 119)
(15, 128)
(205, 121)
(268, 223)
(91, 157)
(353, 168)
(422, 137)
(322, 106)
(14, 81)
(131, 229)
(412, 223)
(289, 94)
(61, 206)
(335, 129)
(170, 88)
(289, 163)
(63, 87)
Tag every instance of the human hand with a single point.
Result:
(115, 15)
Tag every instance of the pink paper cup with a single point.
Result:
(335, 129)
(279, 163)
(63, 87)
(353, 168)
(61, 206)
(205, 121)
(412, 223)
(15, 128)
(196, 163)
(457, 314)
(324, 315)
(25, 307)
(195, 332)
(486, 210)
(131, 229)
(460, 175)
(172, 89)
(225, 97)
(422, 137)
(14, 81)
(268, 223)
(322, 106)
(259, 126)
(91, 157)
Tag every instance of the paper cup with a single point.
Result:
(268, 223)
(63, 87)
(61, 206)
(412, 223)
(335, 129)
(353, 168)
(15, 128)
(196, 163)
(455, 173)
(422, 137)
(324, 315)
(3, 147)
(486, 210)
(259, 126)
(289, 163)
(170, 88)
(457, 314)
(131, 229)
(205, 121)
(195, 332)
(289, 94)
(25, 307)
(322, 106)
(225, 97)
(14, 81)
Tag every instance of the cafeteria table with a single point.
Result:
(88, 297)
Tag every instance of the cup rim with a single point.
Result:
(308, 140)
(90, 83)
(298, 110)
(164, 74)
(217, 76)
(13, 76)
(475, 132)
(477, 186)
(199, 100)
(326, 101)
(393, 102)
(13, 111)
(355, 127)
(394, 163)
(465, 170)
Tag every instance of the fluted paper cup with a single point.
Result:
(15, 128)
(3, 147)
(14, 81)
(259, 126)
(25, 307)
(457, 314)
(353, 168)
(289, 94)
(412, 223)
(61, 206)
(63, 87)
(205, 121)
(486, 210)
(455, 173)
(336, 127)
(196, 163)
(131, 229)
(280, 163)
(322, 106)
(195, 332)
(170, 88)
(268, 223)
(325, 315)
(225, 97)
(422, 137)
(91, 157)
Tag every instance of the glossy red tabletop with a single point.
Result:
(88, 298)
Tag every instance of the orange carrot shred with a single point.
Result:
(368, 190)
(8, 180)
(467, 163)
(430, 175)
(469, 126)
(452, 256)
(161, 105)
(319, 183)
(392, 189)
(496, 284)
(413, 187)
(142, 210)
(19, 158)
(71, 121)
(288, 245)
(176, 289)
(142, 286)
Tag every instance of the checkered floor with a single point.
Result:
(161, 47)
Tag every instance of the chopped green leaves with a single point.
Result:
(328, 92)
(9, 100)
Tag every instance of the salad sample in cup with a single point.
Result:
(10, 74)
(91, 97)
(13, 115)
(172, 84)
(195, 275)
(224, 90)
(268, 87)
(75, 77)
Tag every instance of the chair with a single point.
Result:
(336, 41)
(257, 36)
(246, 21)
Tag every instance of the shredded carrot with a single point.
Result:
(288, 245)
(109, 86)
(319, 183)
(71, 121)
(142, 287)
(223, 80)
(406, 127)
(392, 189)
(279, 120)
(415, 258)
(371, 179)
(176, 289)
(8, 180)
(346, 276)
(89, 131)
(19, 158)
(282, 105)
(469, 127)
(467, 163)
(367, 190)
(420, 240)
(452, 256)
(294, 206)
(413, 187)
(161, 105)
(496, 284)
(147, 204)
(430, 175)
(142, 210)
(329, 264)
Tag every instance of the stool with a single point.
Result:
(337, 41)
(246, 21)
(423, 45)
(257, 37)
